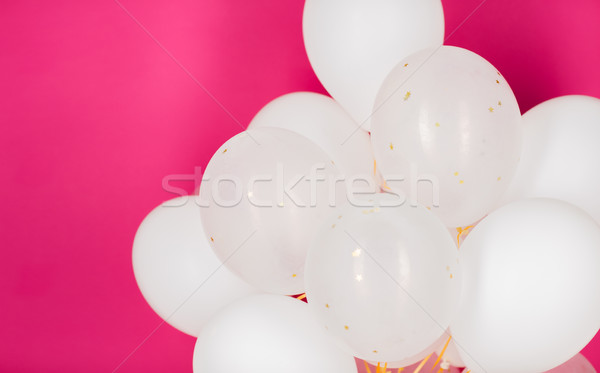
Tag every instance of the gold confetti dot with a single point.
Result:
(491, 109)
(461, 182)
(374, 351)
(497, 81)
(407, 96)
(391, 146)
(225, 151)
(456, 173)
(437, 124)
(499, 103)
(405, 65)
(346, 327)
(428, 208)
(499, 178)
(451, 275)
(212, 239)
(294, 275)
(327, 305)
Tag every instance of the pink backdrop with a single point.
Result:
(95, 113)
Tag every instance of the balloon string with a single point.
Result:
(460, 233)
(367, 367)
(441, 354)
(422, 363)
(385, 186)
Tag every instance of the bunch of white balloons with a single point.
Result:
(359, 204)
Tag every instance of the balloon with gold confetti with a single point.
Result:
(384, 278)
(446, 130)
(264, 195)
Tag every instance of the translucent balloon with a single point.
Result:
(447, 132)
(384, 279)
(352, 44)
(560, 153)
(267, 334)
(177, 271)
(530, 288)
(264, 194)
(323, 121)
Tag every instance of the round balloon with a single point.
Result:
(384, 278)
(267, 334)
(446, 130)
(324, 121)
(560, 153)
(264, 194)
(531, 287)
(352, 44)
(176, 269)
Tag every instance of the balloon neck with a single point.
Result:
(445, 364)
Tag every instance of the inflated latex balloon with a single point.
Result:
(560, 153)
(447, 131)
(268, 334)
(177, 271)
(265, 193)
(531, 287)
(352, 44)
(384, 278)
(323, 121)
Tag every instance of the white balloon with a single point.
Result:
(560, 153)
(447, 118)
(384, 279)
(353, 44)
(265, 193)
(531, 288)
(323, 121)
(177, 271)
(267, 334)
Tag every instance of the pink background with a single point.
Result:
(94, 114)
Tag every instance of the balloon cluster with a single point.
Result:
(361, 205)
